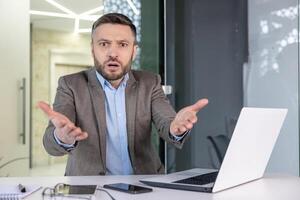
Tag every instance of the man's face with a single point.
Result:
(113, 49)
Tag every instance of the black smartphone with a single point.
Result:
(66, 189)
(124, 187)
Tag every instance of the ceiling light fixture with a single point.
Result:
(92, 11)
(62, 8)
(51, 14)
(54, 14)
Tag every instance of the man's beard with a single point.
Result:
(112, 77)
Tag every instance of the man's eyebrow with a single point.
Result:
(127, 41)
(103, 40)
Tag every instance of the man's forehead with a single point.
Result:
(113, 31)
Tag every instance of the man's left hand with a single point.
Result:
(187, 117)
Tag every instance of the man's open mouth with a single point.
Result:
(113, 64)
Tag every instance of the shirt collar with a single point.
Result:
(105, 83)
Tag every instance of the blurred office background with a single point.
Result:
(236, 53)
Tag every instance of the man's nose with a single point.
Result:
(113, 52)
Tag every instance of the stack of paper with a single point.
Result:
(13, 191)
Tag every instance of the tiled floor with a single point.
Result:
(50, 170)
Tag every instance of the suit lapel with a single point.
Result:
(98, 102)
(131, 101)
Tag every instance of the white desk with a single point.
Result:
(272, 187)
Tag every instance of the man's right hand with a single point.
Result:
(65, 130)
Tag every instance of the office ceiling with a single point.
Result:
(65, 12)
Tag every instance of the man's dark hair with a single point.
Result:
(114, 18)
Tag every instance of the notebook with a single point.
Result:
(13, 191)
(245, 160)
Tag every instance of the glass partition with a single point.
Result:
(271, 75)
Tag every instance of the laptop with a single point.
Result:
(245, 160)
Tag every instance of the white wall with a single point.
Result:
(271, 76)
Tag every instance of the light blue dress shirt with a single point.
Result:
(117, 159)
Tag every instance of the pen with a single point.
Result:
(22, 188)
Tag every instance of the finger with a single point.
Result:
(192, 119)
(75, 132)
(46, 109)
(188, 125)
(199, 105)
(68, 128)
(82, 136)
(58, 122)
(187, 115)
(174, 129)
(182, 129)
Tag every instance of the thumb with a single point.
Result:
(46, 109)
(199, 105)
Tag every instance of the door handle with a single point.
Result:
(23, 121)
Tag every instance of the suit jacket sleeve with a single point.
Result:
(163, 114)
(64, 104)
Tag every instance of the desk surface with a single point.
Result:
(271, 187)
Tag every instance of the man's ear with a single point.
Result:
(92, 49)
(135, 48)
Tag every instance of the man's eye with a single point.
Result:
(123, 44)
(103, 44)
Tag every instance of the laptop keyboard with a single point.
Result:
(200, 180)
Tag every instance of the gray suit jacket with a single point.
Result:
(80, 97)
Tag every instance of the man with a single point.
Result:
(103, 116)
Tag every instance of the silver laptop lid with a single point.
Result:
(250, 147)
